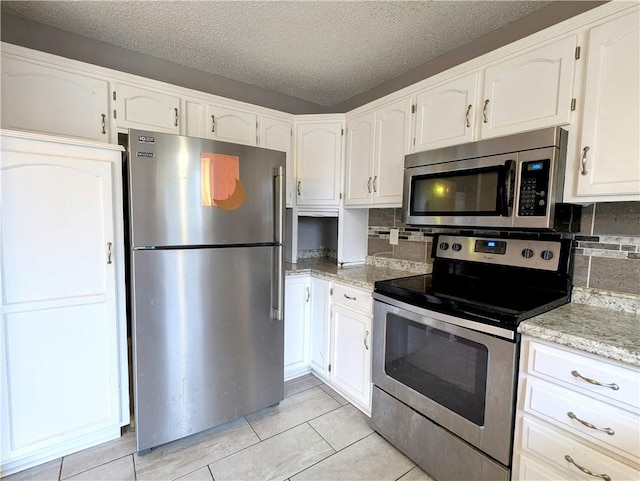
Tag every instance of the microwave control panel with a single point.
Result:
(534, 188)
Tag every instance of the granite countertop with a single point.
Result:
(606, 332)
(364, 275)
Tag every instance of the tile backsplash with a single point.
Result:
(607, 255)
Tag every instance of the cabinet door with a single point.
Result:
(393, 142)
(610, 146)
(60, 365)
(358, 187)
(193, 123)
(530, 91)
(320, 311)
(48, 100)
(351, 354)
(277, 134)
(140, 108)
(445, 114)
(296, 315)
(318, 163)
(231, 125)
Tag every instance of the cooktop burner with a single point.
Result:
(491, 280)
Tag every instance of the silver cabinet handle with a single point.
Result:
(298, 188)
(613, 386)
(369, 185)
(375, 187)
(366, 335)
(213, 123)
(484, 111)
(109, 252)
(583, 161)
(609, 431)
(349, 297)
(104, 124)
(606, 477)
(308, 294)
(175, 117)
(467, 116)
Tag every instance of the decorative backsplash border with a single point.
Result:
(608, 246)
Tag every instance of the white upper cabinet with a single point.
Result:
(231, 125)
(608, 163)
(446, 114)
(318, 163)
(530, 91)
(50, 100)
(146, 109)
(376, 145)
(277, 134)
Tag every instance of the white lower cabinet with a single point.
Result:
(576, 413)
(320, 313)
(63, 344)
(296, 325)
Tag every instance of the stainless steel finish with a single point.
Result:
(175, 117)
(456, 321)
(606, 477)
(366, 336)
(513, 255)
(440, 453)
(484, 111)
(278, 272)
(351, 298)
(609, 431)
(583, 161)
(467, 115)
(375, 187)
(109, 244)
(369, 185)
(104, 123)
(213, 123)
(494, 438)
(613, 385)
(204, 354)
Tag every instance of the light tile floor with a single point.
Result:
(314, 434)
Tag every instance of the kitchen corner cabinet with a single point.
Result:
(608, 167)
(296, 325)
(145, 109)
(320, 314)
(277, 134)
(63, 334)
(318, 163)
(530, 91)
(49, 100)
(576, 412)
(446, 113)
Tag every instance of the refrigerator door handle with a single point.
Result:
(278, 311)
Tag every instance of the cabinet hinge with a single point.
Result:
(577, 53)
(341, 131)
(114, 95)
(573, 104)
(329, 367)
(114, 113)
(331, 291)
(340, 195)
(291, 132)
(413, 108)
(414, 141)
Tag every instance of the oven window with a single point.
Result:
(467, 192)
(448, 369)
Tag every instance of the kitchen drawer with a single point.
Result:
(529, 470)
(353, 298)
(553, 445)
(554, 403)
(566, 366)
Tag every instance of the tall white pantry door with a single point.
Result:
(58, 333)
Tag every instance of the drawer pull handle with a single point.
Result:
(349, 297)
(366, 335)
(613, 386)
(467, 116)
(369, 185)
(606, 477)
(609, 431)
(485, 119)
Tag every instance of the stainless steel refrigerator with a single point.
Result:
(206, 282)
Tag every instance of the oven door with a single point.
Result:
(459, 378)
(467, 192)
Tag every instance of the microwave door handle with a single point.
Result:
(506, 191)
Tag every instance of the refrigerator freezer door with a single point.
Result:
(190, 191)
(208, 347)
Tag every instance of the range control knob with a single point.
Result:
(443, 246)
(547, 255)
(456, 247)
(527, 253)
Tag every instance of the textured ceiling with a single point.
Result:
(324, 52)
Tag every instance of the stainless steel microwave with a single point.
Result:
(512, 182)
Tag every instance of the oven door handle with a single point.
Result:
(507, 187)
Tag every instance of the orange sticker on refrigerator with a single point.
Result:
(220, 181)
